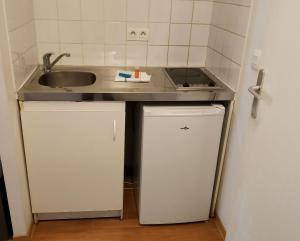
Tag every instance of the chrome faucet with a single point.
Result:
(47, 65)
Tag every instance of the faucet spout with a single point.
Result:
(47, 65)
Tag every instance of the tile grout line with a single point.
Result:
(77, 20)
(126, 20)
(81, 33)
(216, 51)
(22, 25)
(58, 30)
(169, 37)
(233, 4)
(229, 31)
(191, 27)
(103, 31)
(148, 24)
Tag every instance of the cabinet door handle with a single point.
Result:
(115, 131)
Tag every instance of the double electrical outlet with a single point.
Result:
(137, 34)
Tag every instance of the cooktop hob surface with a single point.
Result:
(190, 79)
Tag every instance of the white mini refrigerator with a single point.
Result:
(176, 162)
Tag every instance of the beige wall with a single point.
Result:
(265, 204)
(18, 59)
(233, 165)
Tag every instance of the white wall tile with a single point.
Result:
(24, 65)
(239, 19)
(159, 33)
(197, 56)
(233, 47)
(76, 54)
(30, 59)
(182, 11)
(137, 25)
(212, 36)
(178, 56)
(46, 48)
(115, 55)
(157, 56)
(233, 75)
(202, 12)
(114, 10)
(179, 30)
(92, 32)
(220, 14)
(47, 31)
(213, 61)
(137, 10)
(223, 68)
(18, 12)
(69, 9)
(45, 9)
(92, 9)
(115, 33)
(22, 38)
(180, 34)
(70, 31)
(93, 54)
(160, 11)
(227, 39)
(136, 55)
(233, 18)
(105, 22)
(216, 39)
(199, 35)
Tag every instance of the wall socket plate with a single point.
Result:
(144, 34)
(138, 34)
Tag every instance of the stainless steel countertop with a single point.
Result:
(105, 88)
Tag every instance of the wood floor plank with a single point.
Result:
(113, 229)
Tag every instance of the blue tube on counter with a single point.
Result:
(125, 75)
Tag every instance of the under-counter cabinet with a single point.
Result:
(75, 158)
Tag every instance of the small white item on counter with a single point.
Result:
(143, 77)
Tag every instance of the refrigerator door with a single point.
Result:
(178, 162)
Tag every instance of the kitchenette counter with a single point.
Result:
(160, 88)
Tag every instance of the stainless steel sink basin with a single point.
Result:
(67, 79)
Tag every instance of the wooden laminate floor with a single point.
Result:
(126, 230)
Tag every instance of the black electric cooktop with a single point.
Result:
(190, 78)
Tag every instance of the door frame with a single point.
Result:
(11, 145)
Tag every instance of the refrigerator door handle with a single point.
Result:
(185, 128)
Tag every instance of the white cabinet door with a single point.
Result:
(75, 155)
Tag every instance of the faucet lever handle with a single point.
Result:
(46, 61)
(47, 55)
